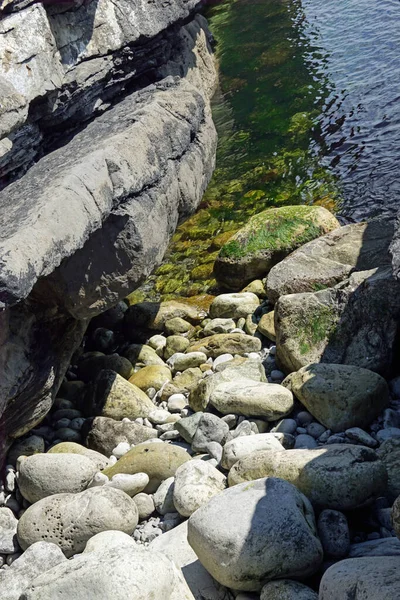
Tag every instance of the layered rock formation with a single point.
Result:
(90, 200)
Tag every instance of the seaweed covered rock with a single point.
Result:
(266, 240)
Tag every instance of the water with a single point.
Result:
(306, 112)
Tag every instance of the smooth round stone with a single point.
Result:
(305, 441)
(8, 531)
(315, 430)
(33, 444)
(387, 434)
(105, 540)
(286, 589)
(177, 325)
(304, 418)
(43, 475)
(219, 326)
(70, 520)
(195, 483)
(152, 376)
(285, 426)
(62, 423)
(164, 497)
(113, 397)
(121, 449)
(277, 375)
(145, 505)
(68, 435)
(176, 403)
(234, 306)
(77, 423)
(99, 459)
(334, 533)
(175, 343)
(130, 484)
(158, 343)
(223, 358)
(190, 360)
(159, 416)
(242, 446)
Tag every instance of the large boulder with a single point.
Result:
(353, 323)
(175, 546)
(362, 579)
(118, 573)
(103, 434)
(241, 535)
(266, 239)
(324, 262)
(86, 235)
(340, 396)
(70, 520)
(43, 475)
(99, 459)
(158, 460)
(339, 476)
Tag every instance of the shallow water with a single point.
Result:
(306, 112)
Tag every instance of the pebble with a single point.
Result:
(121, 449)
(230, 420)
(145, 505)
(305, 441)
(285, 426)
(157, 417)
(223, 358)
(176, 403)
(315, 430)
(362, 437)
(304, 418)
(277, 375)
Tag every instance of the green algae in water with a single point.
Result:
(264, 111)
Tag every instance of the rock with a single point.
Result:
(195, 483)
(8, 531)
(153, 376)
(153, 315)
(361, 437)
(243, 446)
(109, 573)
(158, 343)
(389, 453)
(387, 434)
(339, 476)
(219, 326)
(90, 366)
(98, 459)
(231, 371)
(396, 516)
(187, 427)
(266, 239)
(226, 343)
(176, 403)
(104, 208)
(70, 520)
(234, 306)
(353, 323)
(33, 444)
(285, 589)
(328, 260)
(106, 540)
(241, 538)
(143, 355)
(190, 360)
(285, 426)
(145, 505)
(105, 434)
(112, 396)
(382, 547)
(340, 396)
(362, 579)
(164, 497)
(43, 475)
(210, 429)
(334, 533)
(266, 326)
(252, 398)
(130, 484)
(174, 344)
(158, 461)
(121, 449)
(305, 441)
(175, 546)
(177, 326)
(38, 558)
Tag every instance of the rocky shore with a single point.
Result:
(202, 448)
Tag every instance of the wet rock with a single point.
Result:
(241, 538)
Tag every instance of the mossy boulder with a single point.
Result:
(158, 460)
(353, 323)
(266, 240)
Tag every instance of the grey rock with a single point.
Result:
(175, 546)
(243, 446)
(374, 578)
(70, 520)
(315, 430)
(391, 418)
(285, 426)
(145, 505)
(108, 539)
(234, 306)
(210, 429)
(164, 497)
(8, 531)
(305, 441)
(389, 453)
(387, 434)
(26, 447)
(105, 434)
(285, 589)
(38, 558)
(187, 427)
(43, 475)
(195, 483)
(361, 437)
(381, 547)
(240, 535)
(219, 326)
(334, 533)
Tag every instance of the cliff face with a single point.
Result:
(106, 142)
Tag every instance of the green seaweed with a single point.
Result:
(315, 327)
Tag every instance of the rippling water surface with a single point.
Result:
(306, 112)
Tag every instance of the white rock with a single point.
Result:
(195, 483)
(107, 540)
(8, 531)
(159, 416)
(176, 403)
(245, 445)
(98, 479)
(164, 497)
(234, 306)
(121, 449)
(220, 360)
(181, 361)
(130, 484)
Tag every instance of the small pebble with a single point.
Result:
(305, 441)
(304, 418)
(315, 430)
(285, 426)
(121, 449)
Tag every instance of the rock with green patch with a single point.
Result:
(266, 240)
(99, 459)
(353, 323)
(226, 343)
(340, 396)
(152, 376)
(241, 536)
(328, 260)
(266, 326)
(158, 460)
(250, 398)
(112, 396)
(339, 476)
